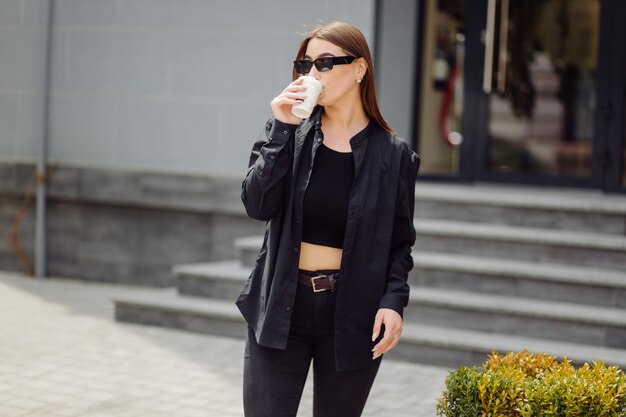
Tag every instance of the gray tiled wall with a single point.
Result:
(396, 63)
(159, 85)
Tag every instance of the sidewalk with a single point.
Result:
(63, 354)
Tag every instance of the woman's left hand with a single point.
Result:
(393, 329)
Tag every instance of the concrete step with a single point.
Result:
(583, 285)
(169, 309)
(420, 343)
(511, 242)
(494, 312)
(442, 346)
(558, 282)
(220, 280)
(567, 209)
(566, 322)
(248, 249)
(523, 243)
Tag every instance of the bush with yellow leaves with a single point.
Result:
(534, 385)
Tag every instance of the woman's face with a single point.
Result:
(339, 81)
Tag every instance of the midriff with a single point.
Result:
(318, 257)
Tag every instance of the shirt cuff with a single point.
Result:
(280, 132)
(393, 302)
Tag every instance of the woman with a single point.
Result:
(337, 192)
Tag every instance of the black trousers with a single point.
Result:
(274, 378)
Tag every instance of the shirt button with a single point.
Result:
(288, 308)
(272, 157)
(319, 139)
(285, 132)
(296, 249)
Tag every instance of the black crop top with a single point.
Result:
(326, 198)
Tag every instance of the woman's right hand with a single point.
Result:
(281, 104)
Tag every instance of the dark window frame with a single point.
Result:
(610, 121)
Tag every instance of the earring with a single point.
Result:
(358, 80)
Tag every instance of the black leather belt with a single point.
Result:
(319, 281)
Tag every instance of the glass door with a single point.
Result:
(523, 91)
(441, 87)
(539, 78)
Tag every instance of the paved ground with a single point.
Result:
(62, 354)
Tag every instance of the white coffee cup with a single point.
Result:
(312, 92)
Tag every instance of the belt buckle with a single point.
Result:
(313, 283)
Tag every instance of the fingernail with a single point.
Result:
(374, 337)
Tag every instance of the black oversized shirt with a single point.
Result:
(379, 233)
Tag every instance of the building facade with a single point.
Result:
(153, 107)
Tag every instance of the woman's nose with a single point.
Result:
(314, 73)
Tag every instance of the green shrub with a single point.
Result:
(534, 385)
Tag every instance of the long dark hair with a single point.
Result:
(351, 40)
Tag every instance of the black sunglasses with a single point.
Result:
(324, 64)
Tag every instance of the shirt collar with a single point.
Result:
(316, 120)
(360, 137)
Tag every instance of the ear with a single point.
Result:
(361, 68)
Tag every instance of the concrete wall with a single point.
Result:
(396, 62)
(172, 86)
(122, 226)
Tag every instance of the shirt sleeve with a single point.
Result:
(270, 163)
(396, 295)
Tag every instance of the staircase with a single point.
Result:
(496, 269)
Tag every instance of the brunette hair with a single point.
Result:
(351, 40)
